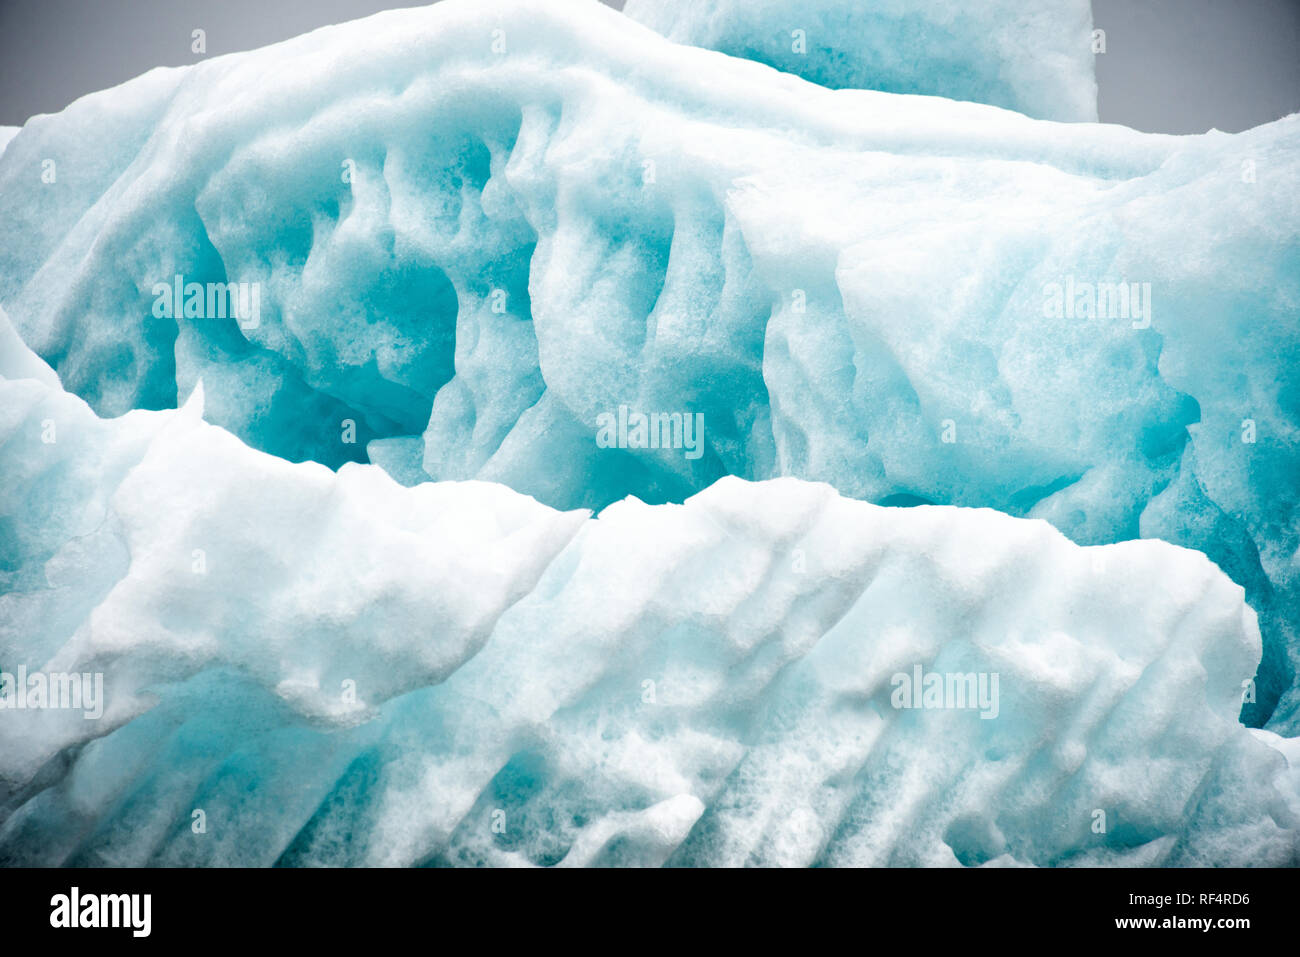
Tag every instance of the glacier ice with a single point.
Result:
(715, 682)
(1032, 56)
(476, 229)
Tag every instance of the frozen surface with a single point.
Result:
(707, 683)
(1032, 56)
(477, 228)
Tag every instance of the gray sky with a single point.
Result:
(1184, 66)
(1171, 66)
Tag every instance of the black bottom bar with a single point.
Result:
(333, 907)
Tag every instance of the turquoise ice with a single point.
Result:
(466, 236)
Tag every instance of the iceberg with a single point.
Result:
(1031, 56)
(497, 433)
(475, 229)
(305, 666)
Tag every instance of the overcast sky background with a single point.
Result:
(1171, 66)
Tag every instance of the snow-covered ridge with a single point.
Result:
(339, 670)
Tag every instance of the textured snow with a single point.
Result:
(1032, 56)
(706, 683)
